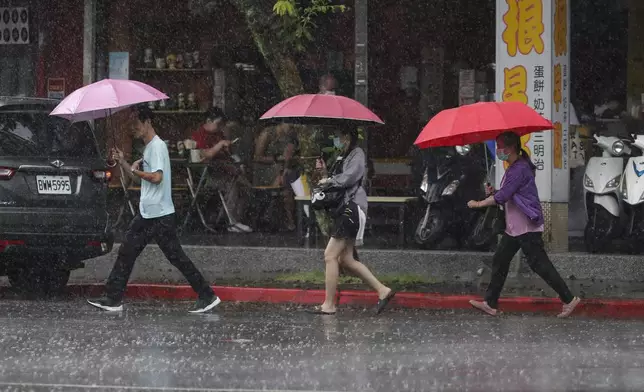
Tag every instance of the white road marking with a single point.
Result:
(143, 388)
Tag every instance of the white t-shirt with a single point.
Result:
(156, 199)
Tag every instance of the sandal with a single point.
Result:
(382, 303)
(318, 310)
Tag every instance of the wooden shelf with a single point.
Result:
(173, 70)
(170, 112)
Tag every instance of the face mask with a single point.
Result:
(502, 155)
(337, 143)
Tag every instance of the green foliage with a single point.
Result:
(297, 19)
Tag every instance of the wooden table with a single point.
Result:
(382, 201)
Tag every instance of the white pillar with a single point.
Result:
(533, 67)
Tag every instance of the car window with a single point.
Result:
(37, 134)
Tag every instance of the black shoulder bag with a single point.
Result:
(328, 197)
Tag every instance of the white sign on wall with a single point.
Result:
(532, 67)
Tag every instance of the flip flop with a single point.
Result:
(319, 311)
(382, 303)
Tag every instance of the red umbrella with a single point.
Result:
(480, 122)
(315, 108)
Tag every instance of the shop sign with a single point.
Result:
(533, 68)
(56, 88)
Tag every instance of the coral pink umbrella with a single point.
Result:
(320, 108)
(480, 122)
(101, 99)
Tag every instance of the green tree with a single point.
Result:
(281, 29)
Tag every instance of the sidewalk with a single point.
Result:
(612, 308)
(606, 276)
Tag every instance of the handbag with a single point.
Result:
(328, 197)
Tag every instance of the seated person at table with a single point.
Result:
(225, 175)
(277, 165)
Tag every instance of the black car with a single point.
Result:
(53, 196)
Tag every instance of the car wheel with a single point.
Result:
(39, 281)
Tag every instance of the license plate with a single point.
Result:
(54, 185)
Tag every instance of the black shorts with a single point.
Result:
(291, 177)
(347, 223)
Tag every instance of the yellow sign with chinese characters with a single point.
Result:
(532, 46)
(524, 27)
(557, 146)
(515, 85)
(561, 28)
(557, 89)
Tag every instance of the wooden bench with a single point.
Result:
(399, 203)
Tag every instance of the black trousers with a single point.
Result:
(538, 260)
(164, 231)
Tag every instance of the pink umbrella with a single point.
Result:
(315, 108)
(101, 99)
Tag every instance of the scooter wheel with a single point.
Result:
(430, 236)
(599, 230)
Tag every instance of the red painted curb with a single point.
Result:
(614, 308)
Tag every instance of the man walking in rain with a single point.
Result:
(156, 220)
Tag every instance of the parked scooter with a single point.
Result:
(602, 197)
(458, 178)
(632, 192)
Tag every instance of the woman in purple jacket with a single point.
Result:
(524, 227)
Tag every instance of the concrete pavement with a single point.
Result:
(66, 345)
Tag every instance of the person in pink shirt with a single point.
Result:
(523, 227)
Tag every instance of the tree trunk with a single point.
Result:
(261, 22)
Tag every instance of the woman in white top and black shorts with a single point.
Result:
(348, 222)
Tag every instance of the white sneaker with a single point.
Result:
(106, 304)
(234, 229)
(202, 306)
(243, 227)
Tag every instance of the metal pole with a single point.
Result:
(361, 66)
(89, 42)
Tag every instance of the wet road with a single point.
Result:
(65, 345)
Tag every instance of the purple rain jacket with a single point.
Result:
(519, 186)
